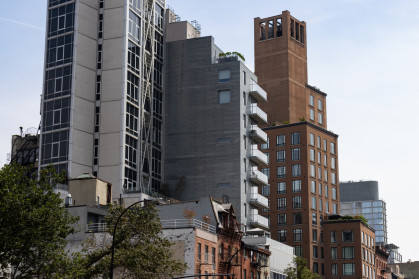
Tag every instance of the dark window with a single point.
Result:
(297, 218)
(347, 236)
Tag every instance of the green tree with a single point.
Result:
(298, 270)
(140, 249)
(33, 223)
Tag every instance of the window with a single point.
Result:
(280, 172)
(320, 189)
(326, 175)
(280, 156)
(265, 145)
(333, 163)
(334, 208)
(326, 191)
(278, 27)
(296, 202)
(199, 252)
(334, 253)
(223, 75)
(298, 234)
(282, 235)
(348, 253)
(348, 269)
(282, 203)
(213, 255)
(280, 140)
(61, 20)
(320, 104)
(313, 203)
(282, 219)
(313, 170)
(314, 234)
(311, 114)
(244, 119)
(325, 160)
(244, 77)
(313, 186)
(296, 170)
(134, 28)
(311, 100)
(334, 195)
(312, 155)
(266, 190)
(326, 207)
(319, 157)
(295, 154)
(59, 50)
(334, 269)
(311, 139)
(223, 185)
(224, 97)
(333, 237)
(281, 187)
(266, 172)
(298, 250)
(315, 255)
(245, 143)
(55, 147)
(206, 253)
(324, 144)
(332, 148)
(297, 218)
(296, 186)
(333, 178)
(244, 98)
(295, 138)
(347, 236)
(320, 118)
(320, 204)
(319, 172)
(314, 218)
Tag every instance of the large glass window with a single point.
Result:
(295, 138)
(296, 170)
(334, 268)
(134, 28)
(224, 97)
(282, 187)
(295, 154)
(223, 75)
(54, 147)
(280, 156)
(60, 20)
(56, 114)
(135, 5)
(348, 253)
(132, 87)
(58, 82)
(130, 151)
(131, 123)
(133, 57)
(282, 203)
(348, 268)
(296, 186)
(280, 140)
(59, 50)
(298, 234)
(280, 172)
(296, 202)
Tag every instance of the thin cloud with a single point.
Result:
(21, 23)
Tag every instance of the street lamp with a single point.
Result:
(113, 235)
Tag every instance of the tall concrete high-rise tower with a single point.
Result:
(102, 98)
(303, 167)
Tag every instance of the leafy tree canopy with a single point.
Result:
(140, 249)
(298, 270)
(33, 223)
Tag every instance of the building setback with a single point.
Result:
(211, 133)
(303, 154)
(102, 97)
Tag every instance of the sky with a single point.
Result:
(363, 54)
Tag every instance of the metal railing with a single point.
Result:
(97, 228)
(187, 223)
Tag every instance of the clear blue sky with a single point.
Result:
(363, 54)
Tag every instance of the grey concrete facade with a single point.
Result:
(208, 147)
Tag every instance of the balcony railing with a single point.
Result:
(258, 157)
(258, 135)
(258, 200)
(257, 92)
(97, 228)
(258, 115)
(258, 221)
(258, 177)
(187, 223)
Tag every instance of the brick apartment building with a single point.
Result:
(303, 154)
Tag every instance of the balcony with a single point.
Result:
(258, 221)
(258, 157)
(257, 177)
(258, 115)
(258, 200)
(258, 135)
(257, 92)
